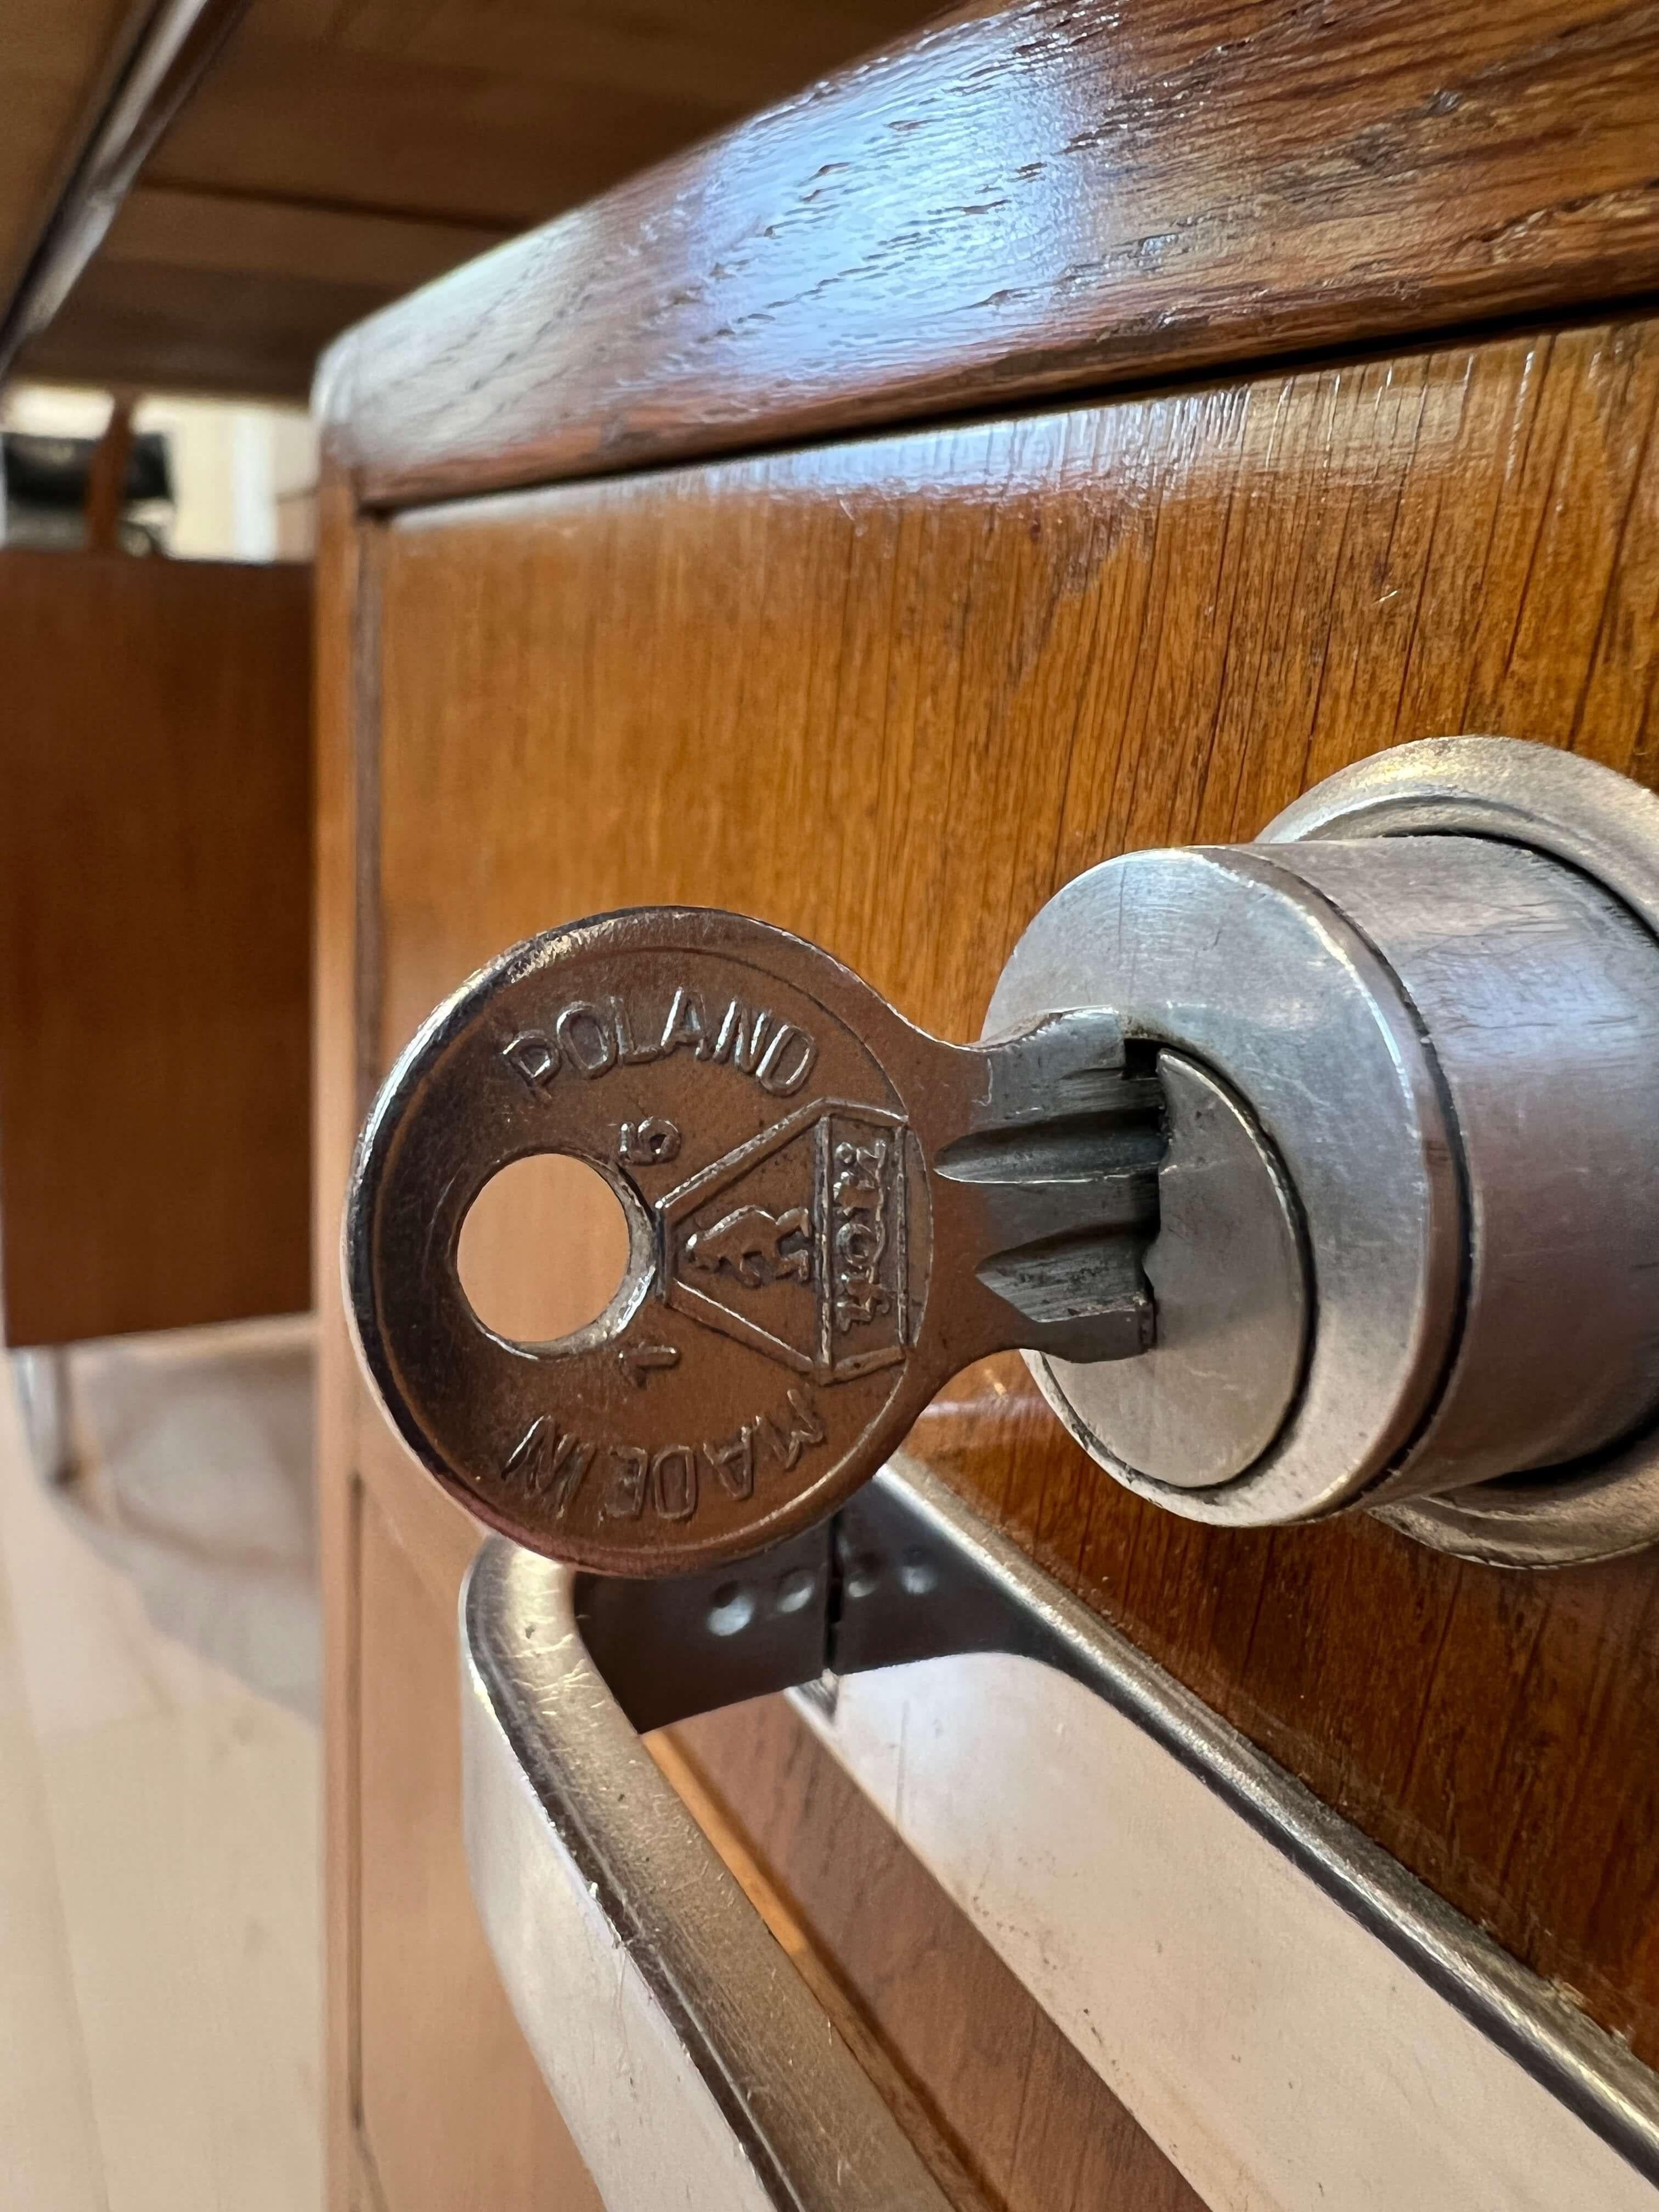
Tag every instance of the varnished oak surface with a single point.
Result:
(892, 694)
(1022, 199)
(154, 931)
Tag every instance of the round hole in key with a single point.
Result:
(549, 1254)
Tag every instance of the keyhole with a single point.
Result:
(545, 1249)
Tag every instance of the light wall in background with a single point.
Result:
(243, 477)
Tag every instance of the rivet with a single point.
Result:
(918, 1574)
(794, 1590)
(732, 1610)
(862, 1577)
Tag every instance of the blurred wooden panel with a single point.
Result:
(166, 328)
(156, 60)
(985, 657)
(51, 54)
(160, 225)
(439, 2137)
(154, 894)
(211, 291)
(726, 56)
(343, 126)
(504, 113)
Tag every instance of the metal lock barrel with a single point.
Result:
(1311, 1174)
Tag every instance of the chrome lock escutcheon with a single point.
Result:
(1312, 1174)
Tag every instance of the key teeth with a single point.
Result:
(1064, 1157)
(1082, 1298)
(1123, 1135)
(1068, 1063)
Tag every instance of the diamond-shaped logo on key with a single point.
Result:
(795, 1243)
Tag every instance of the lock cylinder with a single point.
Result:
(1409, 1212)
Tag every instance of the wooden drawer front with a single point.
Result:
(155, 927)
(892, 694)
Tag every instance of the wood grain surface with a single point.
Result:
(892, 694)
(155, 943)
(1025, 199)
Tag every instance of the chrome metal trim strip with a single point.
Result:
(690, 2063)
(666, 2022)
(1591, 2071)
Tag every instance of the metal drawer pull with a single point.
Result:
(688, 2059)
(690, 2063)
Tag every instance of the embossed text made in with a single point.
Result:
(667, 1483)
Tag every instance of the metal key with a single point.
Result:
(829, 1214)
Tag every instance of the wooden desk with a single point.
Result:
(1065, 433)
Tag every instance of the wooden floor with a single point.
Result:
(160, 1933)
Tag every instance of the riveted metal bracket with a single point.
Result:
(560, 1670)
(874, 1586)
